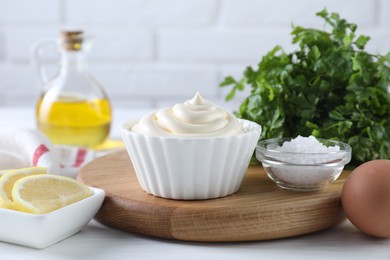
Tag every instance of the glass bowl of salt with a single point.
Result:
(303, 163)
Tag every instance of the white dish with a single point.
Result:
(43, 230)
(191, 168)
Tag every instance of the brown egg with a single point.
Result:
(366, 198)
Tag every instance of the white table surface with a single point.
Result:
(96, 241)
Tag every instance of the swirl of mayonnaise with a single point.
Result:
(193, 118)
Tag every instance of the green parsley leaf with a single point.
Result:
(329, 87)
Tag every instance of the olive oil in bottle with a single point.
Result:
(73, 108)
(74, 121)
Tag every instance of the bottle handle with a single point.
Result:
(36, 59)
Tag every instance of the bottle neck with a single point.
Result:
(73, 62)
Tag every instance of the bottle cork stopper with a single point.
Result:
(72, 40)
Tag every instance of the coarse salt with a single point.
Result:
(315, 152)
(309, 144)
(305, 156)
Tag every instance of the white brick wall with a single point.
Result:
(154, 53)
(260, 13)
(141, 13)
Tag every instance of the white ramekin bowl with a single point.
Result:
(191, 168)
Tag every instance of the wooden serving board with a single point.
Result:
(258, 211)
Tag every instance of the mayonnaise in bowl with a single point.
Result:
(196, 117)
(193, 150)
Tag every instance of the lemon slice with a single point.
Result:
(2, 204)
(40, 194)
(3, 171)
(8, 179)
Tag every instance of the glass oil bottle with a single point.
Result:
(73, 108)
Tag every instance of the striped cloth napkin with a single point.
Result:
(21, 148)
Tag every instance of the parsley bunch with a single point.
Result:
(330, 88)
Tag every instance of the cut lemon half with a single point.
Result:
(40, 194)
(9, 178)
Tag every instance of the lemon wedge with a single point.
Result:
(40, 194)
(9, 178)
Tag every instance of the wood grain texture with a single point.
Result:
(258, 211)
